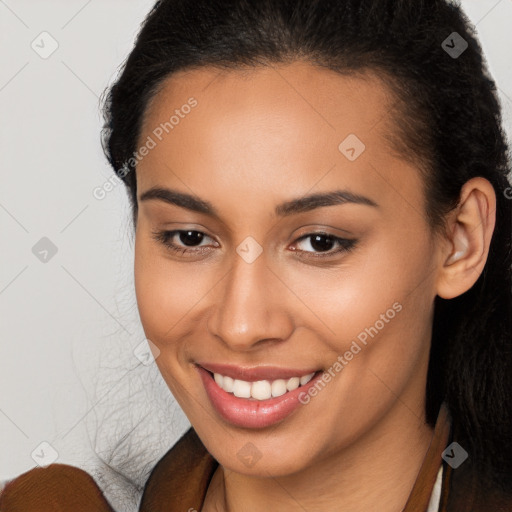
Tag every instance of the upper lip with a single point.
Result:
(255, 373)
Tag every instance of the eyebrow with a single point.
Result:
(291, 207)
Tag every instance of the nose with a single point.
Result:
(251, 307)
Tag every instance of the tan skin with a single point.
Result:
(256, 139)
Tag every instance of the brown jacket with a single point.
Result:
(180, 480)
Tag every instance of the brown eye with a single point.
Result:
(190, 238)
(319, 243)
(180, 240)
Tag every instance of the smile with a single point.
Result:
(254, 401)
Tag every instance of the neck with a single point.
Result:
(375, 473)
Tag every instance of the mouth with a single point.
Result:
(255, 403)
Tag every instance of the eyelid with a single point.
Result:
(324, 229)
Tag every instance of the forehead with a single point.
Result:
(270, 129)
(298, 90)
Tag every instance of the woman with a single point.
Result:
(322, 258)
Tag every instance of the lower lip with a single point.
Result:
(242, 412)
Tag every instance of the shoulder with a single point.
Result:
(54, 487)
(181, 477)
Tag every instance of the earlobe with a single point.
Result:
(471, 230)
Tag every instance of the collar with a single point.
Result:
(180, 479)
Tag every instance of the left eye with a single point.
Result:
(324, 243)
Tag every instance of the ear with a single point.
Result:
(469, 232)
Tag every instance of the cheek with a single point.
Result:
(166, 296)
(376, 314)
(352, 296)
(166, 291)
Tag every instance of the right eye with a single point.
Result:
(188, 238)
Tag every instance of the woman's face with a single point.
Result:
(307, 249)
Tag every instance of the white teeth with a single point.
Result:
(279, 387)
(261, 389)
(293, 383)
(306, 378)
(242, 389)
(227, 383)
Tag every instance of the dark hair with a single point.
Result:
(448, 118)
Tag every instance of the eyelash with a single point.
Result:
(346, 245)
